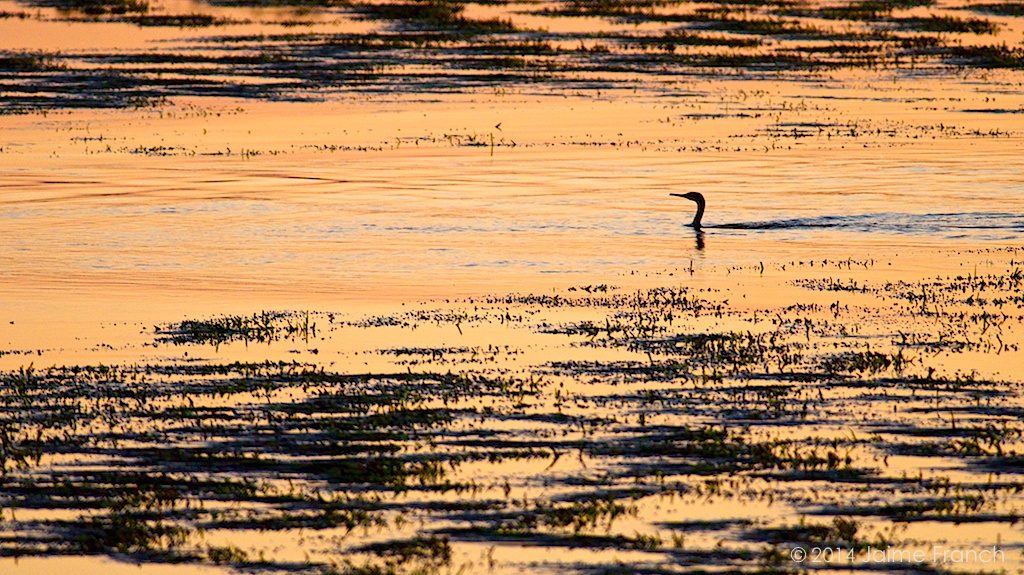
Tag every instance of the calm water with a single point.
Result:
(459, 215)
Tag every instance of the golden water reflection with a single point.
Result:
(862, 250)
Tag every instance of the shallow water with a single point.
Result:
(103, 245)
(850, 211)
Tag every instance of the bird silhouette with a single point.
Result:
(699, 199)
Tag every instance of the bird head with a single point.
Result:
(692, 196)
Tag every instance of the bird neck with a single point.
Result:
(699, 214)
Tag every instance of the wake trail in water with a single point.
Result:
(997, 224)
